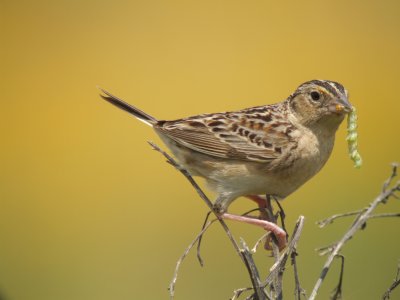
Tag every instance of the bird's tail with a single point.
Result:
(141, 115)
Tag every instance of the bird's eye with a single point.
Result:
(315, 96)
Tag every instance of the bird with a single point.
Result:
(267, 150)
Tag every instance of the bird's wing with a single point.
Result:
(232, 136)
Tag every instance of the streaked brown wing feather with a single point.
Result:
(225, 139)
(203, 142)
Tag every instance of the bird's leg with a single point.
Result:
(266, 220)
(262, 205)
(275, 229)
(266, 213)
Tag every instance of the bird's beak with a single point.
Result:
(341, 105)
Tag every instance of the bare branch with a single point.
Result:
(324, 222)
(200, 192)
(277, 279)
(183, 256)
(280, 264)
(330, 220)
(325, 250)
(281, 214)
(385, 215)
(253, 272)
(237, 293)
(394, 285)
(298, 290)
(262, 238)
(337, 292)
(357, 225)
(199, 258)
(392, 176)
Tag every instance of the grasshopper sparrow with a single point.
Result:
(265, 150)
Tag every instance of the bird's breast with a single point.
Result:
(305, 161)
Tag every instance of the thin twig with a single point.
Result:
(282, 215)
(253, 272)
(280, 264)
(183, 256)
(395, 284)
(390, 179)
(358, 224)
(237, 293)
(337, 292)
(385, 215)
(201, 194)
(262, 238)
(330, 220)
(324, 222)
(278, 278)
(298, 290)
(199, 258)
(325, 250)
(250, 211)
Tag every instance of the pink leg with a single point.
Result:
(275, 229)
(261, 201)
(262, 204)
(265, 205)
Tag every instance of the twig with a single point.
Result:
(277, 279)
(253, 272)
(325, 250)
(203, 196)
(358, 224)
(183, 256)
(250, 211)
(298, 291)
(385, 215)
(263, 237)
(200, 192)
(337, 292)
(282, 215)
(393, 175)
(395, 284)
(199, 258)
(280, 264)
(237, 293)
(330, 220)
(324, 222)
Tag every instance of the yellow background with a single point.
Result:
(88, 211)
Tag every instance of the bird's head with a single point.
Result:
(320, 102)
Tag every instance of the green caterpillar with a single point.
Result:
(352, 138)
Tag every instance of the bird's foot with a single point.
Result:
(266, 214)
(279, 233)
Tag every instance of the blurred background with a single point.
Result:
(89, 211)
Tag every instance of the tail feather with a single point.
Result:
(141, 115)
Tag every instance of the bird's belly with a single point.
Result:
(236, 178)
(244, 178)
(278, 183)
